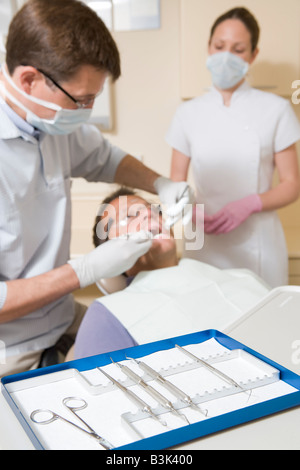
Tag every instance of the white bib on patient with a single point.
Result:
(184, 299)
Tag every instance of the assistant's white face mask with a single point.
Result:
(227, 69)
(64, 122)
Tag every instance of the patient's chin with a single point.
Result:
(162, 236)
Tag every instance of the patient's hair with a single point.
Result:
(123, 191)
(58, 37)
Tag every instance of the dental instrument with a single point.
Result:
(67, 402)
(172, 219)
(163, 401)
(181, 395)
(137, 401)
(209, 367)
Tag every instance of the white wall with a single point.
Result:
(146, 97)
(149, 90)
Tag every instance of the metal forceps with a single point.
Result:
(74, 405)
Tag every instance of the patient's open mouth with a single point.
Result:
(161, 236)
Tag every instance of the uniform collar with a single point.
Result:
(242, 89)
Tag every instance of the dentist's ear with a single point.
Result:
(27, 78)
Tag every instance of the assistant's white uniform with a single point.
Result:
(232, 156)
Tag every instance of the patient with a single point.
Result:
(165, 296)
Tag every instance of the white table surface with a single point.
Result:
(277, 432)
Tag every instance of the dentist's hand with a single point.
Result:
(232, 215)
(176, 196)
(112, 258)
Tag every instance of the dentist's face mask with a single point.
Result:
(227, 69)
(64, 122)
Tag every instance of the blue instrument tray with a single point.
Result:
(206, 425)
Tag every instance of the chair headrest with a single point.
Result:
(112, 285)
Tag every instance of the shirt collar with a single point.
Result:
(13, 125)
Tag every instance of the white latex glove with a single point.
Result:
(111, 259)
(176, 196)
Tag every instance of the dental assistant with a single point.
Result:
(59, 55)
(235, 137)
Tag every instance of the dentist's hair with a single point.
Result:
(246, 17)
(58, 37)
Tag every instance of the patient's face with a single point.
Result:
(132, 214)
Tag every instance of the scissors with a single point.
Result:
(74, 405)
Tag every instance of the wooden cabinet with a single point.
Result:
(86, 201)
(294, 277)
(278, 63)
(292, 237)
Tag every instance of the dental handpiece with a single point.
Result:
(137, 401)
(163, 401)
(209, 367)
(177, 392)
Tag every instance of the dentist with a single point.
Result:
(234, 137)
(59, 55)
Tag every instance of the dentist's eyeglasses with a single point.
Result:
(80, 104)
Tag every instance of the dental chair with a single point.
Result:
(106, 287)
(56, 354)
(50, 357)
(112, 285)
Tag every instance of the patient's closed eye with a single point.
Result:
(132, 215)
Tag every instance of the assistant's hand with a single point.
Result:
(232, 215)
(176, 196)
(112, 258)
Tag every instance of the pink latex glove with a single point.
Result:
(232, 215)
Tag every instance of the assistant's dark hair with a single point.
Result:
(58, 37)
(123, 191)
(246, 17)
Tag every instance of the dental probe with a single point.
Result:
(163, 401)
(176, 218)
(137, 401)
(209, 367)
(181, 395)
